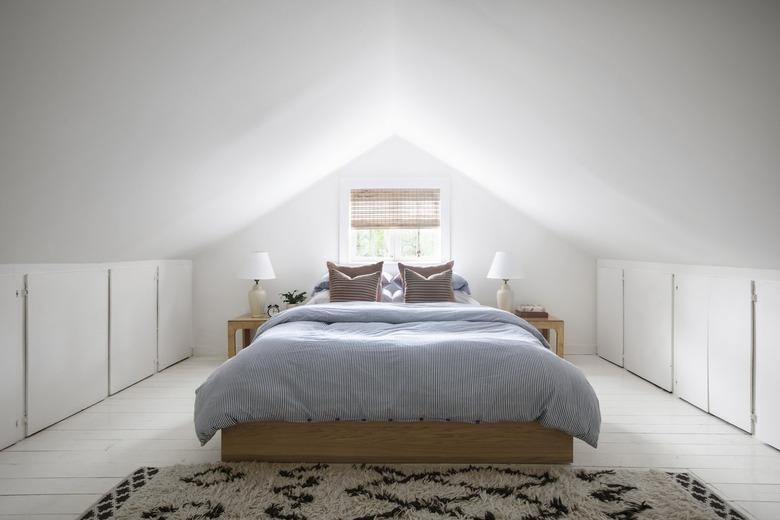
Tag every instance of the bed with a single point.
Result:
(391, 382)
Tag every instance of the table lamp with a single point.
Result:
(257, 267)
(504, 268)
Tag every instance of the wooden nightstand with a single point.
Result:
(545, 325)
(248, 325)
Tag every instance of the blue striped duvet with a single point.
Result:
(401, 362)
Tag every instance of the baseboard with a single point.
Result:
(580, 349)
(210, 352)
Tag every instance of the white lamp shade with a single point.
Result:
(258, 267)
(505, 268)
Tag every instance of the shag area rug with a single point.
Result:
(343, 491)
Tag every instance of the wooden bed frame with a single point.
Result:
(397, 442)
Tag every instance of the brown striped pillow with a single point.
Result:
(355, 270)
(434, 288)
(359, 288)
(425, 270)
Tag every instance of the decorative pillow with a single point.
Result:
(354, 271)
(458, 283)
(320, 297)
(425, 271)
(427, 289)
(392, 294)
(360, 288)
(324, 283)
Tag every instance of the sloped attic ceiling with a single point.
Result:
(640, 130)
(140, 129)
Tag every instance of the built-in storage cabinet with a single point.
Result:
(86, 330)
(175, 313)
(12, 356)
(609, 314)
(715, 329)
(767, 338)
(647, 325)
(730, 353)
(133, 343)
(67, 344)
(713, 345)
(691, 311)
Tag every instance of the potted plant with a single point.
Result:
(293, 298)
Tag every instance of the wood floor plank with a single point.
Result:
(761, 510)
(45, 504)
(55, 486)
(39, 517)
(750, 492)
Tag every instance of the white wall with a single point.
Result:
(303, 234)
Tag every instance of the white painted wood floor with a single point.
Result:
(59, 472)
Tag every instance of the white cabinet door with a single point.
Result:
(730, 351)
(609, 314)
(67, 344)
(767, 361)
(691, 308)
(175, 313)
(11, 359)
(647, 325)
(133, 325)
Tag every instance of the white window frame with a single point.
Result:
(348, 184)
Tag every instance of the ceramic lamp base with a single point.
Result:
(257, 300)
(504, 297)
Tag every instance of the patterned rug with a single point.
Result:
(363, 492)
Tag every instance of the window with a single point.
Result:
(393, 223)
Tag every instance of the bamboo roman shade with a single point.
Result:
(395, 208)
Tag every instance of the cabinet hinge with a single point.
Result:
(22, 293)
(755, 297)
(754, 418)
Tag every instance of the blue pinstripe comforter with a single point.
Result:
(401, 362)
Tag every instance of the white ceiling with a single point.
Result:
(641, 130)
